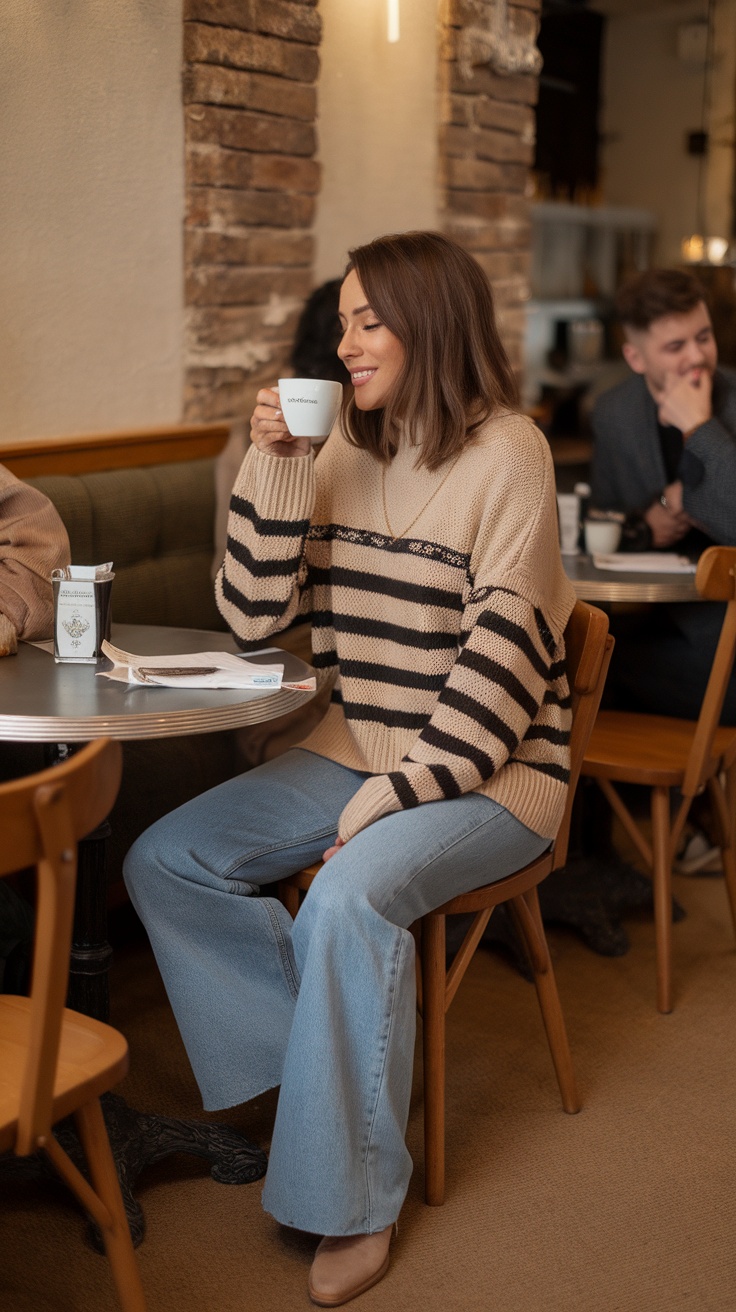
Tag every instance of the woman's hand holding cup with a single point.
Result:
(268, 430)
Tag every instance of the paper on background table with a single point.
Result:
(645, 562)
(227, 671)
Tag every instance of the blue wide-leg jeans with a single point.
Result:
(323, 1005)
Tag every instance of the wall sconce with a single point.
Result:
(393, 18)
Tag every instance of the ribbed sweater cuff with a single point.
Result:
(281, 487)
(374, 798)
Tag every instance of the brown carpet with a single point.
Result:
(626, 1207)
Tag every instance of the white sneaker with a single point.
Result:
(697, 855)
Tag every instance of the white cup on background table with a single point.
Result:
(602, 536)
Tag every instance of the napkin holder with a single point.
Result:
(82, 612)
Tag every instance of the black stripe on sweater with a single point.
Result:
(399, 678)
(268, 528)
(548, 641)
(446, 781)
(483, 715)
(403, 789)
(370, 628)
(262, 569)
(361, 537)
(512, 632)
(496, 673)
(363, 581)
(557, 772)
(251, 609)
(447, 742)
(557, 671)
(395, 719)
(552, 698)
(558, 737)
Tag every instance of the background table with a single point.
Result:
(599, 585)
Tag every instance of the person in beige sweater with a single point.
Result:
(33, 541)
(423, 547)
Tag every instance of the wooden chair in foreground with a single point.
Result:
(55, 1062)
(588, 648)
(662, 753)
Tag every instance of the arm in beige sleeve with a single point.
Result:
(33, 542)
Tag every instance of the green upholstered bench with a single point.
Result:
(155, 519)
(156, 524)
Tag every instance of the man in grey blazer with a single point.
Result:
(665, 454)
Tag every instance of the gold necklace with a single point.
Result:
(395, 536)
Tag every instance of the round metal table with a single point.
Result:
(597, 585)
(41, 701)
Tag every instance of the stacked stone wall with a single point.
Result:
(250, 104)
(487, 129)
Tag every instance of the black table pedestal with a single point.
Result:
(139, 1139)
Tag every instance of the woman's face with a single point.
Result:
(371, 353)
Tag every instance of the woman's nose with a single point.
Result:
(348, 346)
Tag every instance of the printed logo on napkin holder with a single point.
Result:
(82, 612)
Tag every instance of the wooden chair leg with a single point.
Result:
(118, 1243)
(527, 917)
(662, 879)
(433, 1038)
(723, 795)
(289, 896)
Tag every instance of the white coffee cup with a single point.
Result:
(309, 406)
(602, 536)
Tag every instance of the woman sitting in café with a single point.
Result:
(423, 546)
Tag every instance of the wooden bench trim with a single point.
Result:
(120, 449)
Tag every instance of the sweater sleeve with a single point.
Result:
(261, 585)
(498, 685)
(33, 542)
(711, 497)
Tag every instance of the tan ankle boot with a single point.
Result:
(347, 1265)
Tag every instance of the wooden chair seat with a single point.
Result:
(92, 1057)
(588, 653)
(647, 749)
(55, 1062)
(662, 753)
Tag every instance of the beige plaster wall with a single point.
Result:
(91, 202)
(651, 100)
(377, 126)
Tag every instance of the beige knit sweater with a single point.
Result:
(446, 641)
(33, 541)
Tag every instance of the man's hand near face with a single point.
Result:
(685, 401)
(668, 523)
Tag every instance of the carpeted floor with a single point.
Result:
(629, 1206)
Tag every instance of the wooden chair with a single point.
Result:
(588, 648)
(661, 753)
(55, 1062)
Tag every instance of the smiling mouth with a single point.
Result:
(362, 375)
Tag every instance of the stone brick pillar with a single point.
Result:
(250, 102)
(487, 146)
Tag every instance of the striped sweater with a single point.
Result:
(446, 642)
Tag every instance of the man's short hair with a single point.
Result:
(656, 293)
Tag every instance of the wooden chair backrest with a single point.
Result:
(42, 818)
(715, 580)
(588, 648)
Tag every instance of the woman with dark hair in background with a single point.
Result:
(423, 545)
(318, 333)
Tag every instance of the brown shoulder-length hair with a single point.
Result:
(456, 374)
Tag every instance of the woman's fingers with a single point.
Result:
(339, 842)
(269, 432)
